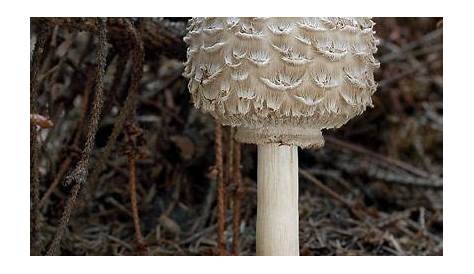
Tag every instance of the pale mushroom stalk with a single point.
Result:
(277, 195)
(280, 81)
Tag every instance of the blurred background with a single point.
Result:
(145, 183)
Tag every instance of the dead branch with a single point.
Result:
(38, 56)
(378, 157)
(237, 177)
(133, 201)
(80, 172)
(160, 37)
(128, 106)
(330, 192)
(220, 190)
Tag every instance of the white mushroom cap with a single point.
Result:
(281, 80)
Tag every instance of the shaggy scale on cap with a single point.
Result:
(281, 80)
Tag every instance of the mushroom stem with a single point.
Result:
(277, 210)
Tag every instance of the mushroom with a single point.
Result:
(279, 82)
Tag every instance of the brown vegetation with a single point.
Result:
(121, 163)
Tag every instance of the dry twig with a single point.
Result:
(80, 172)
(130, 102)
(38, 56)
(220, 190)
(237, 176)
(133, 200)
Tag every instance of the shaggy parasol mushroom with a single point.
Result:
(279, 81)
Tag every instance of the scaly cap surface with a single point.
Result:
(281, 80)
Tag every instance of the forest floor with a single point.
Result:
(375, 188)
